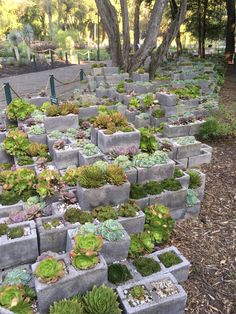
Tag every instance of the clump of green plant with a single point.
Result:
(192, 198)
(141, 243)
(148, 141)
(137, 292)
(70, 176)
(16, 143)
(118, 273)
(169, 259)
(16, 232)
(137, 191)
(54, 223)
(25, 160)
(120, 87)
(101, 300)
(9, 198)
(195, 180)
(158, 223)
(144, 160)
(38, 150)
(74, 215)
(62, 110)
(134, 103)
(5, 166)
(148, 100)
(19, 109)
(48, 182)
(36, 130)
(56, 135)
(213, 129)
(50, 270)
(72, 306)
(104, 213)
(141, 71)
(17, 298)
(153, 188)
(158, 113)
(124, 162)
(146, 266)
(171, 184)
(91, 150)
(129, 209)
(178, 173)
(189, 92)
(186, 140)
(85, 252)
(3, 229)
(111, 230)
(112, 122)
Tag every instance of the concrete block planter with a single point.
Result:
(110, 70)
(4, 157)
(140, 77)
(171, 199)
(132, 175)
(51, 141)
(5, 210)
(107, 143)
(156, 173)
(203, 158)
(88, 160)
(201, 190)
(96, 71)
(142, 202)
(178, 214)
(169, 110)
(5, 311)
(66, 158)
(38, 101)
(88, 112)
(126, 99)
(53, 239)
(184, 151)
(94, 135)
(179, 271)
(193, 210)
(166, 100)
(2, 136)
(72, 283)
(173, 304)
(157, 121)
(42, 138)
(105, 195)
(194, 127)
(61, 123)
(130, 115)
(140, 122)
(184, 180)
(133, 224)
(101, 92)
(175, 130)
(19, 250)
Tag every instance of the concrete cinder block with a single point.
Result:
(203, 158)
(61, 123)
(5, 210)
(171, 199)
(133, 225)
(66, 158)
(88, 112)
(88, 160)
(171, 131)
(20, 250)
(42, 138)
(166, 100)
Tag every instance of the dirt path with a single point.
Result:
(210, 241)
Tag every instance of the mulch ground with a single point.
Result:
(209, 241)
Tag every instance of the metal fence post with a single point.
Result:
(52, 86)
(81, 74)
(67, 58)
(7, 91)
(52, 61)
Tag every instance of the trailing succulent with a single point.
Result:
(19, 109)
(17, 298)
(146, 266)
(169, 259)
(101, 300)
(85, 252)
(104, 213)
(118, 273)
(111, 230)
(50, 270)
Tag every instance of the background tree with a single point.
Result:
(230, 29)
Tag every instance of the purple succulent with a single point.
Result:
(2, 127)
(133, 150)
(47, 211)
(81, 134)
(85, 125)
(17, 217)
(120, 151)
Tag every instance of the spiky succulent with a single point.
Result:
(72, 306)
(101, 300)
(50, 270)
(111, 230)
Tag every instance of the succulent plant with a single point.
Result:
(25, 160)
(115, 175)
(101, 300)
(19, 109)
(186, 140)
(59, 144)
(91, 150)
(16, 217)
(104, 213)
(16, 143)
(118, 273)
(48, 182)
(169, 259)
(146, 266)
(17, 276)
(124, 162)
(37, 130)
(91, 176)
(16, 232)
(56, 135)
(36, 149)
(141, 243)
(88, 228)
(144, 160)
(72, 306)
(128, 209)
(192, 198)
(171, 184)
(50, 270)
(74, 215)
(71, 132)
(3, 229)
(111, 230)
(137, 292)
(195, 180)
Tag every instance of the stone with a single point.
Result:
(166, 100)
(61, 123)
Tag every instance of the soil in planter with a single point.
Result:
(164, 288)
(169, 259)
(118, 273)
(146, 266)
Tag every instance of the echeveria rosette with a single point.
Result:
(50, 270)
(82, 261)
(111, 230)
(17, 276)
(88, 244)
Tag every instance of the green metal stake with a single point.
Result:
(81, 74)
(7, 91)
(53, 97)
(67, 59)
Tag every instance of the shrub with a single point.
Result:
(50, 270)
(213, 129)
(19, 109)
(169, 259)
(118, 273)
(146, 266)
(195, 180)
(101, 300)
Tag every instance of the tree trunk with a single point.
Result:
(59, 14)
(151, 37)
(174, 12)
(199, 27)
(230, 30)
(109, 19)
(159, 54)
(126, 35)
(203, 32)
(136, 24)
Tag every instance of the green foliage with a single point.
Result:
(62, 110)
(153, 188)
(16, 232)
(137, 191)
(141, 71)
(104, 213)
(158, 113)
(124, 162)
(192, 198)
(5, 166)
(134, 102)
(72, 306)
(56, 135)
(3, 229)
(36, 130)
(55, 222)
(50, 270)
(148, 100)
(171, 184)
(169, 259)
(19, 109)
(17, 276)
(91, 150)
(120, 87)
(146, 266)
(111, 230)
(74, 215)
(112, 122)
(9, 198)
(144, 160)
(189, 92)
(137, 292)
(25, 160)
(141, 243)
(101, 300)
(178, 173)
(195, 180)
(16, 143)
(48, 181)
(148, 141)
(213, 129)
(158, 222)
(186, 140)
(129, 209)
(118, 273)
(37, 149)
(115, 175)
(70, 176)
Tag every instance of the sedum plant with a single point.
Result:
(3, 229)
(25, 160)
(118, 273)
(101, 300)
(111, 230)
(104, 213)
(74, 215)
(50, 270)
(91, 150)
(137, 292)
(16, 232)
(19, 109)
(72, 306)
(186, 140)
(17, 276)
(144, 160)
(36, 130)
(56, 135)
(169, 259)
(86, 249)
